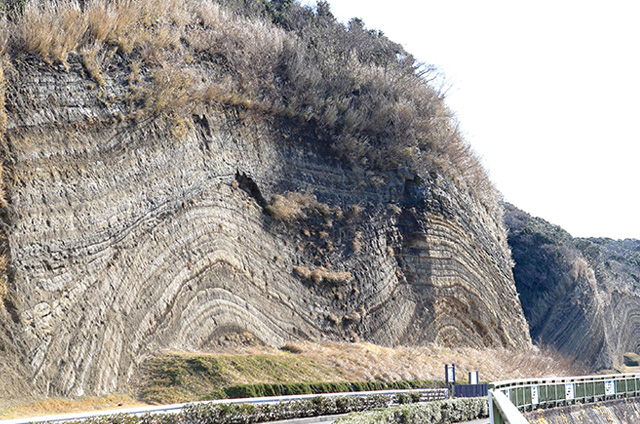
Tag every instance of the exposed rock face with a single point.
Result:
(125, 240)
(621, 411)
(579, 295)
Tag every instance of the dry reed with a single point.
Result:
(360, 89)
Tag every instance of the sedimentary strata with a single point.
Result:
(125, 238)
(580, 296)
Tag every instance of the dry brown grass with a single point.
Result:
(4, 263)
(51, 29)
(293, 205)
(93, 58)
(181, 376)
(323, 275)
(365, 361)
(371, 100)
(63, 406)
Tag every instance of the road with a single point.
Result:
(176, 408)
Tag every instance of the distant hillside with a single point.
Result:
(194, 175)
(579, 295)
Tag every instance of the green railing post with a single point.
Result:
(559, 391)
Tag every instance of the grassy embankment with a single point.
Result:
(180, 377)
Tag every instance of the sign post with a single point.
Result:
(609, 387)
(569, 391)
(450, 377)
(535, 397)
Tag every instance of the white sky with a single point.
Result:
(546, 92)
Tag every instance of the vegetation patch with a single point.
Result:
(240, 413)
(174, 378)
(321, 274)
(181, 377)
(440, 412)
(53, 406)
(631, 359)
(360, 94)
(262, 390)
(294, 206)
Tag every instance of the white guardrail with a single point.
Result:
(427, 395)
(509, 399)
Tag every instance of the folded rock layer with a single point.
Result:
(580, 295)
(125, 239)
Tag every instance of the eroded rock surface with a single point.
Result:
(581, 296)
(621, 411)
(126, 239)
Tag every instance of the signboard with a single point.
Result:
(473, 377)
(569, 393)
(507, 393)
(535, 399)
(450, 373)
(609, 387)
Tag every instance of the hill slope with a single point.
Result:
(579, 295)
(179, 176)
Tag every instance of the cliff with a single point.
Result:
(153, 206)
(579, 295)
(621, 411)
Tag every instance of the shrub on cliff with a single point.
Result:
(349, 86)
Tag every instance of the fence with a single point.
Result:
(470, 390)
(526, 395)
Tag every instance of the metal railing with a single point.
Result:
(426, 395)
(530, 394)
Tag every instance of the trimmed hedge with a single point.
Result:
(439, 412)
(243, 413)
(284, 389)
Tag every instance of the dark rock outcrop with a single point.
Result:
(621, 411)
(579, 295)
(126, 239)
